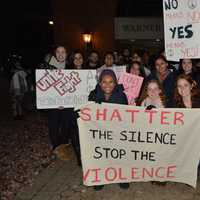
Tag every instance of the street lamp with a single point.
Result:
(87, 39)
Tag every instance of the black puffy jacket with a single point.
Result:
(118, 96)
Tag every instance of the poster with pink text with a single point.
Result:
(63, 88)
(132, 85)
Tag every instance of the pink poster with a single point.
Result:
(132, 85)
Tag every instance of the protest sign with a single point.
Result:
(63, 88)
(121, 143)
(132, 85)
(182, 29)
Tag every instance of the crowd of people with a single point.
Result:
(165, 85)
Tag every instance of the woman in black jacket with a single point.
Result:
(108, 90)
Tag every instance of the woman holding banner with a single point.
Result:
(186, 95)
(58, 119)
(153, 95)
(108, 90)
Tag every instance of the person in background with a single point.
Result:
(153, 95)
(136, 69)
(18, 88)
(166, 78)
(76, 60)
(172, 65)
(93, 60)
(108, 90)
(136, 57)
(187, 67)
(146, 60)
(126, 56)
(58, 119)
(108, 62)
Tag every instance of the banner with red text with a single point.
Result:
(121, 143)
(132, 85)
(63, 88)
(182, 29)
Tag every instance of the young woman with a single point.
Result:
(136, 69)
(186, 95)
(108, 62)
(108, 90)
(166, 78)
(187, 67)
(137, 57)
(76, 60)
(153, 95)
(58, 119)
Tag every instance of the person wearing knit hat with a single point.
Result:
(109, 91)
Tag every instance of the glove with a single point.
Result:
(150, 107)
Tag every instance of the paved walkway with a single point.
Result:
(62, 181)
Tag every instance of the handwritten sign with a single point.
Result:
(132, 85)
(66, 88)
(182, 29)
(121, 143)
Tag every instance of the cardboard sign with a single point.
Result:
(63, 88)
(132, 85)
(121, 143)
(182, 29)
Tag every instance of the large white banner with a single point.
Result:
(182, 29)
(63, 88)
(121, 143)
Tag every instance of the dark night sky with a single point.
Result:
(25, 22)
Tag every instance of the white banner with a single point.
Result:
(182, 29)
(63, 88)
(121, 143)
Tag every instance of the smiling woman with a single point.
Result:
(187, 95)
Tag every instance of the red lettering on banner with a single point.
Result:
(116, 115)
(85, 114)
(96, 179)
(170, 170)
(132, 114)
(150, 115)
(120, 175)
(134, 173)
(146, 171)
(100, 114)
(178, 117)
(158, 171)
(108, 172)
(112, 174)
(86, 174)
(163, 117)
